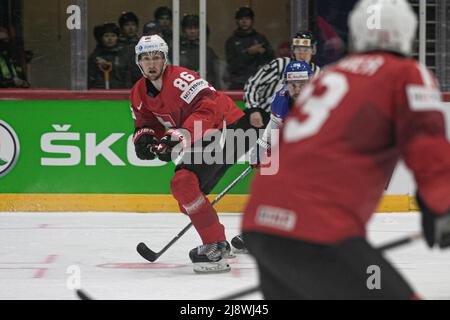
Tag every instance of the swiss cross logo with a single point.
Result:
(166, 120)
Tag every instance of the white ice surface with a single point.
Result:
(38, 249)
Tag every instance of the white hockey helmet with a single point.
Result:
(149, 44)
(383, 25)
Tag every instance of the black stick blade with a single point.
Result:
(82, 295)
(146, 252)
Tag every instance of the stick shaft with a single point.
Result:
(400, 242)
(231, 185)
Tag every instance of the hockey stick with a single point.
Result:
(385, 247)
(400, 242)
(82, 295)
(152, 256)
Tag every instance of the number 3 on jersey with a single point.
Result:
(181, 83)
(317, 108)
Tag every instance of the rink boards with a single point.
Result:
(77, 155)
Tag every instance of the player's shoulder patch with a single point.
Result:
(193, 89)
(421, 98)
(423, 89)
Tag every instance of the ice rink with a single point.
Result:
(43, 255)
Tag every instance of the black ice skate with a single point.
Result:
(211, 257)
(238, 244)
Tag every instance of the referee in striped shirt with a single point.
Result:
(261, 87)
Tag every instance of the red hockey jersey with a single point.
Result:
(183, 99)
(341, 143)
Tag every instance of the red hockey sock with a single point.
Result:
(185, 188)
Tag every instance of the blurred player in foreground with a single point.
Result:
(174, 108)
(306, 226)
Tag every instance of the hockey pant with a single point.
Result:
(193, 180)
(291, 269)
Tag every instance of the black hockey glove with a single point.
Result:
(144, 140)
(171, 139)
(436, 228)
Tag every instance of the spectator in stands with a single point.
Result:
(190, 48)
(129, 24)
(106, 64)
(12, 74)
(152, 28)
(284, 50)
(246, 50)
(163, 15)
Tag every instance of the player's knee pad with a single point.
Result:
(185, 186)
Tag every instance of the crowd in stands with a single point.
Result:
(111, 65)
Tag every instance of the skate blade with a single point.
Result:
(211, 267)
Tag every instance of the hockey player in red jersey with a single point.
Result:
(168, 105)
(340, 144)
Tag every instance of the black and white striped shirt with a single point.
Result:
(261, 87)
